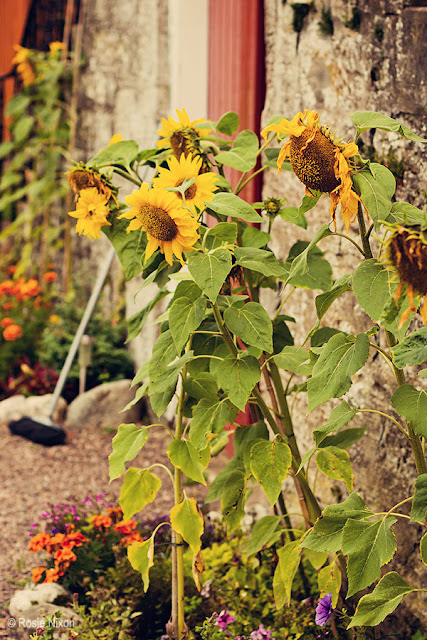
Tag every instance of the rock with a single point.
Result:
(16, 407)
(37, 594)
(33, 618)
(101, 406)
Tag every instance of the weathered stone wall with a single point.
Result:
(124, 88)
(379, 66)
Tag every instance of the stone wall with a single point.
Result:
(378, 66)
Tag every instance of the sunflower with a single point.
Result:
(181, 136)
(197, 194)
(168, 226)
(81, 178)
(407, 254)
(319, 161)
(91, 213)
(23, 65)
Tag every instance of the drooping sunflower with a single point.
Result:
(82, 178)
(318, 160)
(23, 65)
(197, 194)
(169, 227)
(407, 254)
(181, 136)
(91, 213)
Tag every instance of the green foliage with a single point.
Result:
(223, 348)
(326, 24)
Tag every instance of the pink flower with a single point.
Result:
(224, 619)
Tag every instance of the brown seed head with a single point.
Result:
(158, 223)
(408, 253)
(314, 164)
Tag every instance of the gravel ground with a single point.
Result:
(32, 476)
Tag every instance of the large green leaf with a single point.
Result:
(127, 442)
(368, 545)
(141, 556)
(203, 385)
(372, 288)
(233, 499)
(270, 463)
(340, 417)
(294, 359)
(185, 316)
(163, 353)
(228, 123)
(190, 460)
(411, 350)
(423, 549)
(419, 503)
(227, 204)
(412, 405)
(300, 264)
(329, 580)
(318, 274)
(253, 237)
(261, 261)
(263, 533)
(376, 186)
(375, 606)
(335, 464)
(120, 154)
(209, 270)
(238, 376)
(364, 120)
(252, 324)
(22, 128)
(210, 416)
(289, 559)
(340, 358)
(221, 233)
(326, 535)
(187, 520)
(137, 322)
(308, 202)
(292, 214)
(403, 212)
(243, 154)
(139, 488)
(163, 379)
(324, 300)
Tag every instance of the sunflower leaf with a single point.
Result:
(412, 405)
(120, 154)
(209, 270)
(185, 316)
(228, 123)
(252, 324)
(419, 502)
(243, 154)
(340, 358)
(228, 204)
(411, 350)
(387, 595)
(376, 186)
(238, 376)
(364, 120)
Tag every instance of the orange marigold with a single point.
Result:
(55, 542)
(38, 573)
(50, 276)
(101, 521)
(6, 286)
(133, 536)
(52, 575)
(125, 526)
(64, 555)
(12, 332)
(39, 541)
(115, 513)
(6, 322)
(75, 539)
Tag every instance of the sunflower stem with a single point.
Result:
(127, 176)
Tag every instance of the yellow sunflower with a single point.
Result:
(181, 136)
(320, 162)
(117, 137)
(197, 194)
(56, 46)
(91, 213)
(23, 65)
(169, 227)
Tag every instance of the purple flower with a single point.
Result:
(224, 619)
(262, 634)
(324, 610)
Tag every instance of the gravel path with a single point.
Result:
(32, 476)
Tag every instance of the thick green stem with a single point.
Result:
(363, 235)
(178, 620)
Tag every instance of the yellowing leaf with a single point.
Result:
(187, 520)
(139, 488)
(329, 579)
(140, 556)
(198, 568)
